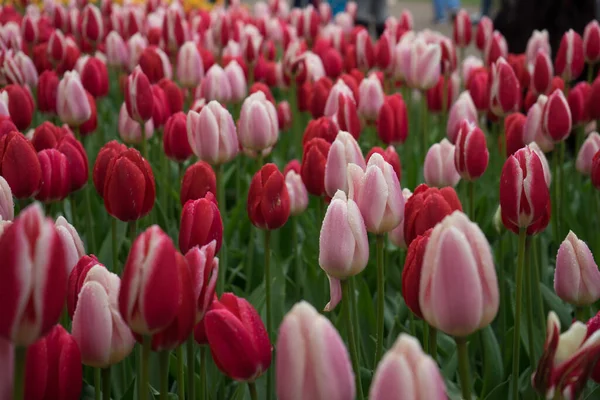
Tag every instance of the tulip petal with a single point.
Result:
(335, 293)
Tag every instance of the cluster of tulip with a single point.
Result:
(203, 98)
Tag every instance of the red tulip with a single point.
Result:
(261, 87)
(56, 183)
(505, 91)
(591, 42)
(569, 60)
(293, 165)
(392, 122)
(77, 161)
(160, 109)
(485, 29)
(94, 77)
(174, 95)
(541, 76)
(6, 126)
(268, 199)
(314, 158)
(346, 116)
(175, 140)
(76, 279)
(320, 93)
(173, 29)
(204, 270)
(237, 337)
(578, 100)
(556, 117)
(20, 106)
(47, 90)
(426, 207)
(129, 173)
(47, 136)
(471, 154)
(435, 95)
(389, 155)
(323, 128)
(19, 165)
(155, 64)
(411, 275)
(138, 96)
(29, 29)
(198, 180)
(518, 62)
(34, 284)
(462, 29)
(92, 28)
(105, 155)
(284, 115)
(595, 171)
(593, 101)
(479, 89)
(200, 224)
(496, 48)
(514, 126)
(89, 126)
(57, 47)
(332, 62)
(150, 289)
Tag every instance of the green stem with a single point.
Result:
(97, 383)
(106, 383)
(180, 372)
(463, 367)
(528, 304)
(581, 314)
(536, 286)
(164, 374)
(191, 365)
(165, 170)
(502, 283)
(444, 104)
(351, 338)
(597, 198)
(19, 373)
(433, 343)
(380, 298)
(560, 185)
(354, 315)
(252, 388)
(203, 372)
(115, 250)
(132, 226)
(471, 185)
(425, 340)
(222, 200)
(518, 308)
(555, 189)
(298, 271)
(144, 146)
(144, 364)
(424, 141)
(89, 219)
(268, 299)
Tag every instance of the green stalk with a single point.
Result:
(132, 226)
(560, 184)
(432, 347)
(380, 298)
(115, 251)
(191, 361)
(297, 265)
(463, 367)
(502, 283)
(221, 199)
(144, 146)
(529, 304)
(425, 340)
(424, 141)
(268, 299)
(252, 388)
(518, 309)
(444, 104)
(537, 281)
(19, 373)
(581, 314)
(97, 383)
(180, 372)
(89, 220)
(471, 185)
(143, 367)
(106, 383)
(165, 169)
(351, 338)
(555, 190)
(203, 373)
(354, 315)
(590, 73)
(164, 374)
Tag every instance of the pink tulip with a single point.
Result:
(7, 205)
(103, 336)
(344, 150)
(576, 278)
(371, 95)
(485, 30)
(586, 153)
(71, 241)
(458, 256)
(27, 68)
(130, 131)
(539, 41)
(406, 372)
(34, 285)
(72, 105)
(92, 26)
(396, 235)
(470, 64)
(420, 64)
(462, 29)
(117, 53)
(204, 270)
(439, 169)
(190, 68)
(212, 134)
(135, 46)
(377, 193)
(258, 128)
(215, 85)
(545, 165)
(532, 131)
(297, 191)
(462, 109)
(505, 90)
(306, 338)
(339, 89)
(237, 81)
(496, 48)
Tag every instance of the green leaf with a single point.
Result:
(493, 370)
(557, 305)
(500, 392)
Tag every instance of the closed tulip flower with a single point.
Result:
(578, 103)
(462, 109)
(7, 205)
(346, 116)
(55, 184)
(390, 156)
(57, 47)
(485, 29)
(595, 171)
(47, 91)
(505, 90)
(36, 275)
(456, 249)
(149, 292)
(426, 207)
(314, 159)
(71, 241)
(268, 199)
(258, 127)
(471, 154)
(175, 140)
(201, 223)
(155, 64)
(371, 93)
(462, 29)
(129, 171)
(77, 279)
(392, 121)
(101, 333)
(320, 94)
(523, 190)
(138, 96)
(198, 179)
(322, 347)
(19, 165)
(538, 41)
(92, 27)
(411, 274)
(72, 105)
(545, 165)
(19, 103)
(190, 68)
(541, 76)
(340, 89)
(591, 42)
(284, 115)
(130, 130)
(556, 117)
(212, 134)
(569, 60)
(94, 77)
(420, 64)
(344, 150)
(215, 85)
(105, 155)
(237, 80)
(238, 340)
(174, 34)
(297, 192)
(406, 372)
(323, 128)
(478, 87)
(27, 68)
(204, 270)
(173, 94)
(439, 169)
(586, 153)
(117, 53)
(532, 130)
(496, 48)
(576, 278)
(77, 161)
(515, 133)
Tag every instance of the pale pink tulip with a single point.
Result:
(462, 109)
(212, 134)
(439, 169)
(190, 68)
(587, 152)
(215, 85)
(71, 241)
(7, 205)
(344, 150)
(72, 105)
(237, 81)
(396, 235)
(130, 130)
(297, 192)
(258, 128)
(371, 98)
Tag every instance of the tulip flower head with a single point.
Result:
(268, 198)
(556, 117)
(591, 42)
(569, 60)
(344, 150)
(201, 223)
(471, 154)
(586, 153)
(439, 169)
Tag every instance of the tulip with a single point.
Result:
(77, 161)
(91, 124)
(523, 190)
(55, 183)
(567, 361)
(212, 134)
(462, 29)
(469, 65)
(268, 199)
(320, 95)
(77, 279)
(198, 180)
(200, 224)
(586, 153)
(261, 87)
(485, 29)
(462, 109)
(591, 42)
(105, 155)
(19, 165)
(284, 115)
(57, 47)
(496, 48)
(390, 156)
(29, 29)
(392, 121)
(6, 126)
(314, 158)
(346, 116)
(7, 205)
(94, 77)
(19, 103)
(215, 85)
(439, 169)
(471, 154)
(27, 68)
(344, 150)
(556, 117)
(593, 106)
(406, 372)
(91, 24)
(541, 76)
(71, 241)
(478, 87)
(116, 50)
(420, 64)
(173, 28)
(130, 130)
(426, 207)
(371, 93)
(595, 170)
(71, 103)
(155, 64)
(173, 95)
(47, 90)
(204, 269)
(332, 103)
(232, 323)
(138, 96)
(190, 68)
(448, 307)
(504, 90)
(322, 347)
(35, 275)
(411, 274)
(365, 56)
(257, 127)
(515, 132)
(237, 81)
(323, 128)
(101, 333)
(127, 171)
(539, 41)
(297, 192)
(569, 60)
(448, 60)
(175, 140)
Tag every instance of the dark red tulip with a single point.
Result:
(411, 274)
(320, 93)
(268, 199)
(19, 165)
(200, 224)
(94, 77)
(56, 182)
(47, 90)
(77, 161)
(89, 126)
(174, 95)
(323, 128)
(106, 154)
(392, 122)
(314, 158)
(138, 96)
(47, 136)
(175, 140)
(198, 180)
(20, 106)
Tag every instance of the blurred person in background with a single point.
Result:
(444, 8)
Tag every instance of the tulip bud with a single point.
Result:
(155, 64)
(98, 328)
(462, 29)
(268, 199)
(128, 171)
(284, 115)
(392, 121)
(411, 274)
(346, 116)
(458, 248)
(303, 326)
(26, 68)
(479, 89)
(556, 117)
(365, 56)
(198, 180)
(439, 169)
(320, 95)
(173, 28)
(77, 160)
(71, 241)
(314, 158)
(57, 47)
(539, 41)
(471, 154)
(523, 191)
(19, 165)
(138, 96)
(190, 68)
(204, 269)
(485, 29)
(591, 42)
(215, 85)
(71, 103)
(105, 155)
(462, 109)
(569, 59)
(261, 87)
(505, 90)
(130, 130)
(258, 128)
(19, 103)
(94, 77)
(175, 140)
(578, 99)
(371, 93)
(541, 77)
(297, 192)
(200, 224)
(323, 128)
(230, 323)
(149, 293)
(212, 134)
(7, 205)
(55, 184)
(35, 275)
(237, 81)
(92, 29)
(420, 64)
(586, 153)
(29, 29)
(343, 151)
(426, 207)
(117, 53)
(76, 280)
(595, 171)
(496, 48)
(47, 90)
